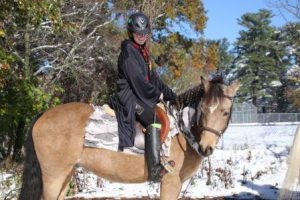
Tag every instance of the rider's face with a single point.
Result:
(140, 38)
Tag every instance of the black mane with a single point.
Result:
(193, 96)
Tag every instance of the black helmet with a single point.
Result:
(138, 23)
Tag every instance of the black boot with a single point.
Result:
(152, 152)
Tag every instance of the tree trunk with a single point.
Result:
(27, 52)
(254, 97)
(9, 144)
(19, 140)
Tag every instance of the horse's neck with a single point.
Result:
(182, 147)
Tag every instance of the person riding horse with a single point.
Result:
(139, 89)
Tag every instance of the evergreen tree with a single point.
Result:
(291, 39)
(226, 57)
(259, 62)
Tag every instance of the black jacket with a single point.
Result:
(135, 81)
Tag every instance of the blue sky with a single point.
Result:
(223, 14)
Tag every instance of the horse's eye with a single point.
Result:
(226, 113)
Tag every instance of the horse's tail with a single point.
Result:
(32, 184)
(292, 177)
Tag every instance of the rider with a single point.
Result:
(139, 89)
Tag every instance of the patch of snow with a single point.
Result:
(275, 84)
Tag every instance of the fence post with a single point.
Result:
(279, 117)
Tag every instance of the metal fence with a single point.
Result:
(278, 117)
(247, 113)
(244, 113)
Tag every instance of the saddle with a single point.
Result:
(161, 116)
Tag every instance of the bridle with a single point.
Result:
(189, 136)
(211, 130)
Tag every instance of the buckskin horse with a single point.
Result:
(55, 146)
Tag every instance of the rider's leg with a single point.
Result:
(145, 116)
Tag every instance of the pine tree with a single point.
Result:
(226, 57)
(259, 62)
(291, 39)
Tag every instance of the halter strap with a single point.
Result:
(218, 133)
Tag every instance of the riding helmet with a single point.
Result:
(138, 23)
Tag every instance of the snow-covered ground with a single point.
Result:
(250, 162)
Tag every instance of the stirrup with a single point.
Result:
(168, 165)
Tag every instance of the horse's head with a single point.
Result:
(215, 108)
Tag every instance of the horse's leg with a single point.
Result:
(58, 138)
(66, 186)
(51, 188)
(55, 186)
(187, 164)
(170, 187)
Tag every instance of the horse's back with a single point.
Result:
(58, 135)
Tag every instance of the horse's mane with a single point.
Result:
(190, 97)
(193, 96)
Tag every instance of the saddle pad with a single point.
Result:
(101, 131)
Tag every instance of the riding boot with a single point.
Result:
(152, 152)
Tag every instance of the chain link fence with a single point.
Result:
(247, 113)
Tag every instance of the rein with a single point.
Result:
(188, 135)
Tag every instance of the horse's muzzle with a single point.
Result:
(207, 151)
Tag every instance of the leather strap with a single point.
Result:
(165, 123)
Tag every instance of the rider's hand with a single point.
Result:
(161, 97)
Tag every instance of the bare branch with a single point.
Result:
(290, 6)
(19, 57)
(88, 14)
(86, 39)
(45, 47)
(70, 14)
(99, 26)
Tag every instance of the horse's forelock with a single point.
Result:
(218, 79)
(215, 92)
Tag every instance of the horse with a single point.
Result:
(292, 178)
(55, 146)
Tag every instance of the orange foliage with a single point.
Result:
(294, 96)
(170, 9)
(4, 66)
(198, 57)
(212, 57)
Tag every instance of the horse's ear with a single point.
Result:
(205, 83)
(233, 87)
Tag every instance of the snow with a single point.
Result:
(275, 84)
(241, 65)
(250, 161)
